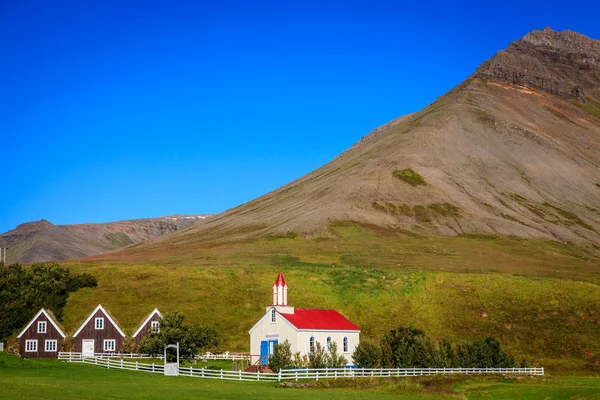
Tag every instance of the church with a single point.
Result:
(302, 327)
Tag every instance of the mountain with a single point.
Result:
(513, 150)
(43, 241)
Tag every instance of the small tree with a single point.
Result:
(407, 347)
(367, 354)
(173, 329)
(282, 357)
(484, 353)
(335, 360)
(67, 344)
(300, 361)
(129, 345)
(317, 357)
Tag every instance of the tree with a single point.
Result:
(486, 353)
(192, 339)
(335, 360)
(317, 357)
(282, 356)
(407, 347)
(23, 291)
(367, 354)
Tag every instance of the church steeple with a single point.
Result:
(280, 289)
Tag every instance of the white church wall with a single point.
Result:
(279, 330)
(321, 337)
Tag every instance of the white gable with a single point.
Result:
(105, 314)
(42, 311)
(147, 320)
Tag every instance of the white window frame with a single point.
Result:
(31, 346)
(110, 348)
(328, 343)
(273, 316)
(101, 320)
(54, 345)
(155, 326)
(312, 345)
(346, 344)
(41, 324)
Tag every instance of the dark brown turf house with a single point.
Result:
(98, 334)
(42, 337)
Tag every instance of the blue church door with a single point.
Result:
(266, 347)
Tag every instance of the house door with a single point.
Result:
(267, 348)
(87, 347)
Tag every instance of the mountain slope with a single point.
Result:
(43, 241)
(513, 150)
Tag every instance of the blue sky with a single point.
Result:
(119, 109)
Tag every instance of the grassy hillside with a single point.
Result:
(541, 298)
(52, 379)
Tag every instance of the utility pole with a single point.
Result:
(3, 255)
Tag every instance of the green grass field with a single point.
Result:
(53, 379)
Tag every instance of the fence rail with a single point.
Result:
(72, 356)
(295, 374)
(206, 356)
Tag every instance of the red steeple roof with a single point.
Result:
(280, 280)
(306, 318)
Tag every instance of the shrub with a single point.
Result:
(335, 360)
(407, 347)
(317, 357)
(13, 347)
(129, 345)
(409, 176)
(367, 354)
(484, 353)
(282, 357)
(67, 344)
(192, 339)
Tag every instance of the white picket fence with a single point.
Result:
(205, 356)
(72, 356)
(297, 374)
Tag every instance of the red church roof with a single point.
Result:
(280, 280)
(306, 318)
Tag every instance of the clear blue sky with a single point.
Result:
(117, 109)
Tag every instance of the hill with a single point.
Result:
(40, 241)
(513, 150)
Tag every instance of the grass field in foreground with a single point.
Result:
(53, 379)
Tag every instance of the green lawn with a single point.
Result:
(53, 379)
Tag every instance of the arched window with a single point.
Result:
(328, 343)
(345, 344)
(311, 343)
(273, 315)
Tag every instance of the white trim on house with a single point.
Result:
(29, 346)
(49, 319)
(100, 325)
(53, 348)
(268, 314)
(146, 321)
(40, 325)
(112, 347)
(105, 314)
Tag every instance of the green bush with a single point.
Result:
(192, 339)
(282, 357)
(410, 347)
(367, 354)
(409, 176)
